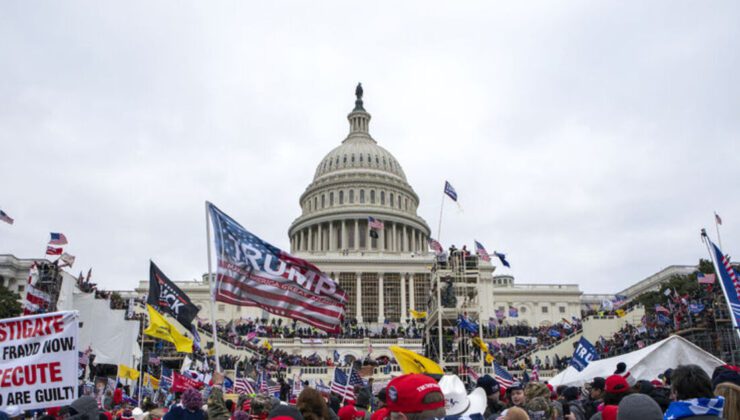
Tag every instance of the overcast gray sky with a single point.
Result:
(588, 140)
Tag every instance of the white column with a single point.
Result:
(413, 240)
(310, 238)
(393, 239)
(344, 235)
(381, 297)
(412, 298)
(358, 286)
(403, 297)
(381, 240)
(405, 241)
(332, 237)
(357, 235)
(320, 237)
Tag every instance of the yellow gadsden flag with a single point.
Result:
(160, 328)
(151, 381)
(489, 358)
(125, 372)
(411, 362)
(480, 344)
(418, 314)
(620, 313)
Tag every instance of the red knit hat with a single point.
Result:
(616, 384)
(406, 393)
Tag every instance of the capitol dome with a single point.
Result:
(356, 180)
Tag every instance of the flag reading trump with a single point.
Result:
(251, 272)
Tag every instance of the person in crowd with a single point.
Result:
(616, 388)
(640, 407)
(381, 412)
(415, 397)
(595, 396)
(285, 412)
(538, 403)
(216, 406)
(494, 406)
(515, 395)
(692, 391)
(189, 407)
(350, 412)
(118, 395)
(312, 405)
(515, 413)
(107, 402)
(572, 399)
(730, 391)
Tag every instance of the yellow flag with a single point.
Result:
(151, 381)
(489, 358)
(160, 328)
(266, 344)
(418, 314)
(125, 372)
(620, 312)
(480, 344)
(411, 362)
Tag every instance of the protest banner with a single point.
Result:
(38, 360)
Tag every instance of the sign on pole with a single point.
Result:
(38, 360)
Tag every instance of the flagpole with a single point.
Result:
(439, 224)
(716, 225)
(141, 361)
(705, 239)
(210, 285)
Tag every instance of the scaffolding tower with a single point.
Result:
(455, 295)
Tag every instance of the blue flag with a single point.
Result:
(584, 354)
(662, 319)
(696, 308)
(521, 341)
(501, 256)
(730, 281)
(466, 324)
(450, 191)
(554, 333)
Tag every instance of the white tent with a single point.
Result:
(646, 363)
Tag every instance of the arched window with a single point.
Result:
(331, 198)
(351, 196)
(345, 158)
(341, 197)
(382, 198)
(362, 196)
(399, 202)
(406, 203)
(390, 199)
(315, 203)
(353, 158)
(372, 196)
(323, 201)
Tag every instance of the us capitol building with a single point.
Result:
(387, 272)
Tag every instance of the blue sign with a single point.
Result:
(584, 354)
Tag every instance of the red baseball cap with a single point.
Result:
(349, 412)
(616, 384)
(405, 394)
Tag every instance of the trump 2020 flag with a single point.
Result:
(251, 272)
(730, 281)
(584, 354)
(450, 191)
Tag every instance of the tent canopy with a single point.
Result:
(646, 363)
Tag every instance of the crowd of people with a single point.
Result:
(685, 391)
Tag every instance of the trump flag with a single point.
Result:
(251, 272)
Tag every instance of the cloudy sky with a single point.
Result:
(589, 140)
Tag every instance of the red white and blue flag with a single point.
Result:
(503, 377)
(57, 239)
(341, 385)
(730, 281)
(244, 386)
(436, 246)
(51, 250)
(375, 223)
(482, 251)
(251, 272)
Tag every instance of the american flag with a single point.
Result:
(355, 378)
(502, 376)
(57, 239)
(660, 308)
(374, 223)
(341, 386)
(321, 386)
(706, 278)
(244, 386)
(51, 250)
(251, 272)
(5, 218)
(473, 375)
(482, 251)
(435, 245)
